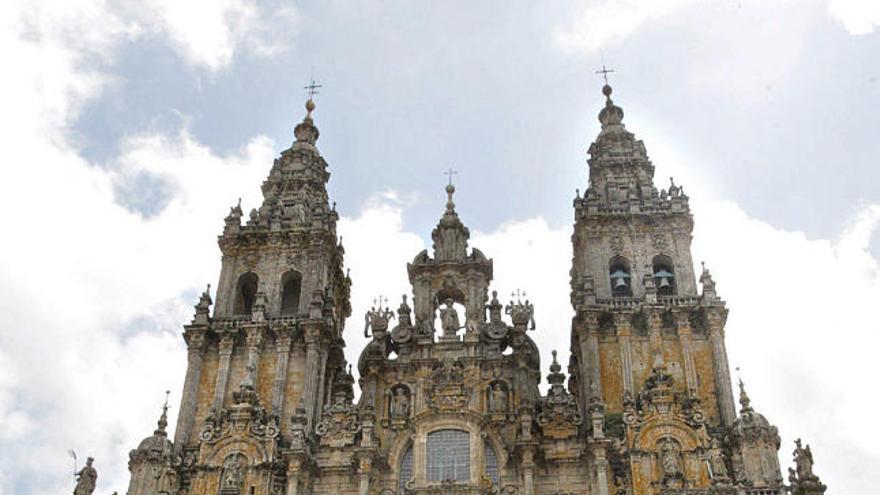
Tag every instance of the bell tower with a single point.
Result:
(647, 345)
(272, 349)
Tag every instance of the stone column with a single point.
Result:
(365, 466)
(189, 401)
(528, 465)
(683, 325)
(282, 348)
(723, 385)
(226, 345)
(601, 470)
(590, 365)
(312, 337)
(293, 482)
(321, 379)
(623, 324)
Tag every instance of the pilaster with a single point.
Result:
(227, 343)
(683, 327)
(186, 418)
(623, 325)
(282, 350)
(723, 385)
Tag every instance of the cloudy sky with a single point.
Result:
(129, 128)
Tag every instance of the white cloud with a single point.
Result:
(597, 24)
(859, 17)
(743, 48)
(209, 32)
(802, 327)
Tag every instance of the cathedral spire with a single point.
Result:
(163, 419)
(450, 236)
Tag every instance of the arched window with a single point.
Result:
(291, 285)
(491, 463)
(664, 275)
(406, 470)
(449, 455)
(246, 293)
(619, 274)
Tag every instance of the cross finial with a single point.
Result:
(605, 71)
(312, 88)
(450, 173)
(380, 301)
(167, 393)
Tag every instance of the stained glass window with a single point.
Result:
(405, 473)
(449, 455)
(491, 462)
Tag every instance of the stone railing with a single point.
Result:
(239, 321)
(679, 300)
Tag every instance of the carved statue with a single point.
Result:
(248, 382)
(716, 461)
(449, 319)
(669, 459)
(803, 459)
(86, 479)
(399, 404)
(497, 398)
(298, 213)
(231, 479)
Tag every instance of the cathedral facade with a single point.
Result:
(449, 398)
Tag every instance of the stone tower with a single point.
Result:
(449, 399)
(273, 346)
(648, 350)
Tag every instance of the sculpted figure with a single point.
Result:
(231, 478)
(449, 319)
(669, 459)
(86, 479)
(716, 460)
(249, 378)
(497, 398)
(399, 404)
(803, 459)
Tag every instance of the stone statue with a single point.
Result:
(669, 459)
(497, 398)
(449, 319)
(231, 479)
(86, 479)
(716, 461)
(248, 382)
(803, 460)
(399, 404)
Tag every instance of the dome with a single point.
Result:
(751, 424)
(157, 446)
